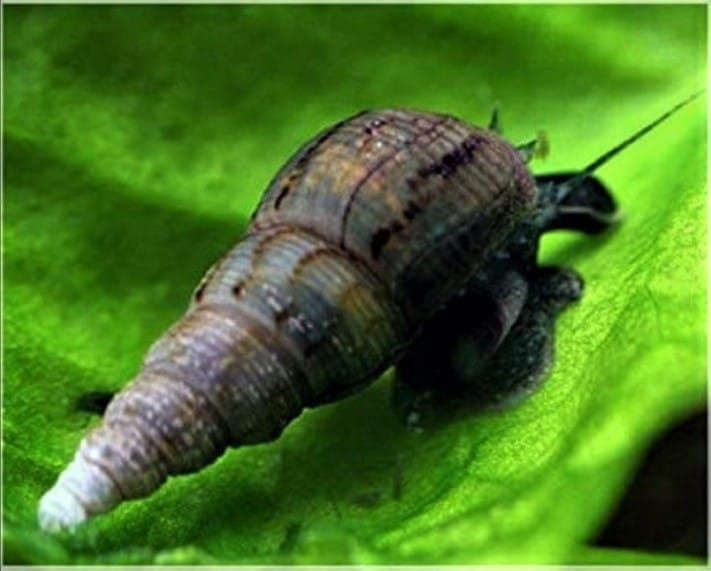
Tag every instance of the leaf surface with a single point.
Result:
(137, 142)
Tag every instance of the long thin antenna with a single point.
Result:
(557, 192)
(612, 152)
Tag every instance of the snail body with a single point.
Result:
(369, 230)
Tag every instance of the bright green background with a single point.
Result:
(137, 142)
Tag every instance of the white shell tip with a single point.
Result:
(59, 510)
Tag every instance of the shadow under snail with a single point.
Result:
(393, 237)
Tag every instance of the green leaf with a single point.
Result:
(137, 142)
(606, 556)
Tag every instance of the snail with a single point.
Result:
(372, 240)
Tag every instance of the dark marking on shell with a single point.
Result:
(205, 281)
(411, 210)
(382, 236)
(309, 258)
(448, 164)
(282, 194)
(237, 289)
(351, 198)
(267, 239)
(200, 290)
(378, 241)
(305, 156)
(375, 168)
(282, 314)
(316, 144)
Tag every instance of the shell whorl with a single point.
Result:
(420, 198)
(281, 322)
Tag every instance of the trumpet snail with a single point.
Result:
(389, 231)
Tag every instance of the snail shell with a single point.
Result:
(367, 230)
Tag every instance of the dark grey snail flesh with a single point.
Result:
(361, 239)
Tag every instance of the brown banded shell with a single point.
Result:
(417, 197)
(361, 236)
